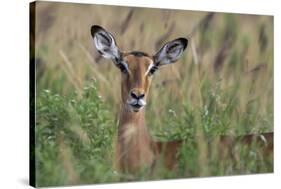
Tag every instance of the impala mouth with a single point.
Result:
(136, 105)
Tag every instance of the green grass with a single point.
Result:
(77, 100)
(74, 138)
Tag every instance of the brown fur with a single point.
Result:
(169, 151)
(264, 141)
(135, 148)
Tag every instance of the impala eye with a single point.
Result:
(152, 70)
(123, 67)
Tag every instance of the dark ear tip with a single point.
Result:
(95, 29)
(184, 41)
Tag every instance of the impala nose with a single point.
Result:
(137, 94)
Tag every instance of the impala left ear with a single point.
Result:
(105, 43)
(170, 52)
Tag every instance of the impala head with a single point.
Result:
(137, 67)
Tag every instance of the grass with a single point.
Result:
(222, 85)
(74, 137)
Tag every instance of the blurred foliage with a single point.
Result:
(223, 84)
(74, 138)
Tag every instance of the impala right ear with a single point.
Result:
(170, 52)
(105, 43)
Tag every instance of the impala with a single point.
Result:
(135, 148)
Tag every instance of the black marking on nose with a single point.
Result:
(134, 95)
(141, 96)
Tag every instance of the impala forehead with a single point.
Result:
(139, 64)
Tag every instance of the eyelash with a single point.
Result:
(124, 70)
(152, 70)
(122, 67)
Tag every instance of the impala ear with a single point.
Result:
(105, 43)
(170, 52)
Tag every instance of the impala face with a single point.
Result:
(137, 67)
(136, 79)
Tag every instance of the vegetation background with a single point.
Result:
(223, 84)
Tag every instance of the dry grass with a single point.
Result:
(226, 73)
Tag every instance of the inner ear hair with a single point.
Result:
(170, 52)
(95, 29)
(105, 43)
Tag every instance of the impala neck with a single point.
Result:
(128, 116)
(134, 142)
(134, 122)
